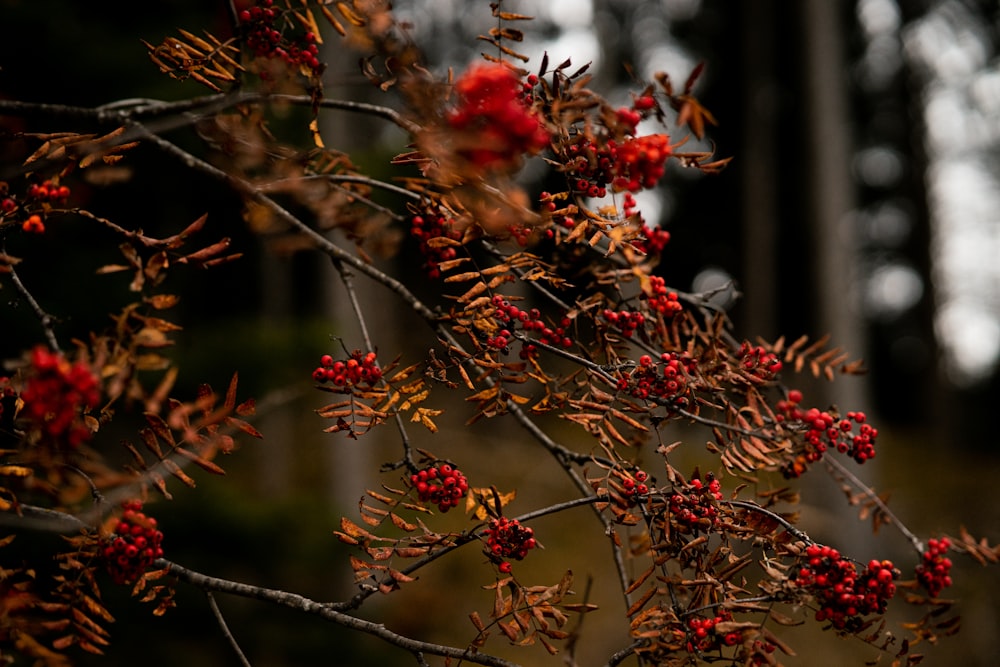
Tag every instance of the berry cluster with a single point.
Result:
(427, 226)
(660, 299)
(845, 596)
(703, 635)
(626, 321)
(590, 165)
(510, 316)
(934, 573)
(266, 41)
(46, 193)
(49, 191)
(443, 485)
(641, 162)
(634, 487)
(507, 538)
(55, 394)
(759, 364)
(134, 546)
(361, 368)
(502, 127)
(694, 508)
(824, 431)
(647, 380)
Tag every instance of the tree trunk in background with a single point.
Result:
(758, 166)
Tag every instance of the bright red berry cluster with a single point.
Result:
(824, 431)
(759, 364)
(361, 368)
(266, 41)
(509, 316)
(491, 105)
(56, 393)
(703, 635)
(694, 508)
(634, 487)
(443, 485)
(507, 538)
(134, 545)
(641, 162)
(845, 597)
(934, 572)
(660, 299)
(668, 384)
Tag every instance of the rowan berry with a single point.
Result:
(133, 545)
(758, 365)
(428, 224)
(821, 430)
(360, 368)
(693, 507)
(56, 394)
(502, 125)
(934, 571)
(507, 538)
(845, 596)
(33, 225)
(443, 485)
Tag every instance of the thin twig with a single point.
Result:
(44, 318)
(833, 465)
(225, 629)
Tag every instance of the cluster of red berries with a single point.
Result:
(430, 225)
(641, 162)
(46, 193)
(934, 573)
(134, 545)
(695, 508)
(634, 487)
(668, 384)
(759, 364)
(361, 368)
(704, 636)
(491, 107)
(49, 191)
(443, 485)
(55, 394)
(627, 321)
(660, 299)
(266, 41)
(526, 94)
(510, 316)
(825, 431)
(590, 165)
(507, 538)
(844, 595)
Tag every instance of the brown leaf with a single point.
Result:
(177, 472)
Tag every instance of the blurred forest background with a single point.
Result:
(863, 201)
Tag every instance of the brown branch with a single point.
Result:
(325, 611)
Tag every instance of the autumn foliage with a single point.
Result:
(546, 308)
